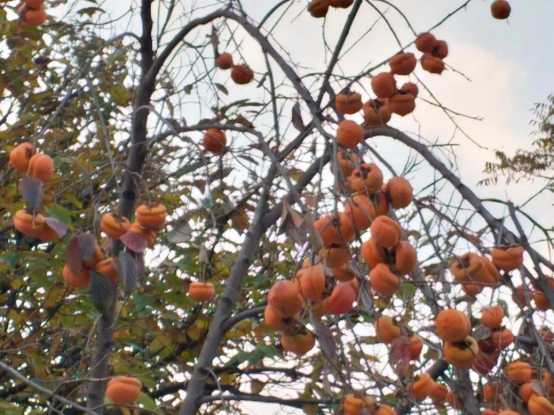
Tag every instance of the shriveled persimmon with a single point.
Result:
(348, 103)
(507, 258)
(366, 178)
(383, 85)
(241, 74)
(403, 63)
(376, 112)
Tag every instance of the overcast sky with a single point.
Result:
(509, 63)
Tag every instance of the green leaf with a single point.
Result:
(60, 213)
(221, 88)
(409, 291)
(143, 300)
(101, 292)
(270, 351)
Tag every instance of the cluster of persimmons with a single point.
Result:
(31, 12)
(39, 167)
(149, 221)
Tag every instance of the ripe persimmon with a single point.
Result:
(214, 140)
(34, 4)
(438, 392)
(415, 347)
(20, 157)
(241, 74)
(28, 224)
(400, 192)
(349, 134)
(224, 61)
(381, 203)
(359, 212)
(114, 226)
(383, 85)
(201, 291)
(341, 299)
(343, 273)
(421, 386)
(298, 342)
(123, 390)
(95, 258)
(500, 9)
(284, 299)
(491, 317)
(386, 329)
(461, 353)
(151, 217)
(348, 103)
(452, 325)
(405, 258)
(335, 255)
(373, 254)
(539, 405)
(383, 280)
(491, 391)
(32, 17)
(41, 166)
(334, 230)
(80, 280)
(106, 268)
(519, 372)
(502, 339)
(313, 283)
(148, 234)
(385, 232)
(347, 162)
(274, 321)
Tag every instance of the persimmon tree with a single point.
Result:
(190, 220)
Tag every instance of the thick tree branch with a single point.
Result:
(296, 403)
